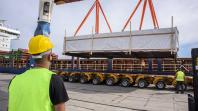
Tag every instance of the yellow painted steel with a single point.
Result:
(139, 77)
(133, 78)
(88, 75)
(62, 73)
(115, 77)
(101, 76)
(169, 80)
(149, 79)
(73, 74)
(157, 79)
(127, 76)
(67, 74)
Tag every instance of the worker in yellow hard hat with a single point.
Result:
(180, 79)
(38, 89)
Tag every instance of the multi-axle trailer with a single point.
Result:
(126, 72)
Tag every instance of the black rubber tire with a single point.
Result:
(96, 81)
(125, 82)
(160, 85)
(142, 83)
(71, 79)
(147, 84)
(65, 78)
(109, 81)
(83, 79)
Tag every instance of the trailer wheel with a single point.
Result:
(125, 82)
(65, 78)
(110, 81)
(142, 83)
(160, 85)
(83, 80)
(96, 81)
(71, 79)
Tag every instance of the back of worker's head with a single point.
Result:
(43, 58)
(40, 47)
(180, 69)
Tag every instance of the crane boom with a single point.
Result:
(45, 13)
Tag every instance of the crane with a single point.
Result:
(45, 13)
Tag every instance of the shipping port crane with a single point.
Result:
(45, 14)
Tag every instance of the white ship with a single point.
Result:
(6, 35)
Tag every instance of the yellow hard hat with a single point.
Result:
(39, 44)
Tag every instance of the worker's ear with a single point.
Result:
(50, 57)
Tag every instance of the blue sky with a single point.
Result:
(22, 14)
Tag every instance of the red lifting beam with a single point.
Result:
(152, 14)
(97, 26)
(132, 15)
(105, 18)
(143, 13)
(152, 10)
(97, 17)
(155, 17)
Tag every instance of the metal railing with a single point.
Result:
(101, 67)
(129, 67)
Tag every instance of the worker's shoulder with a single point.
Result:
(181, 71)
(54, 73)
(56, 77)
(56, 81)
(19, 75)
(40, 70)
(48, 71)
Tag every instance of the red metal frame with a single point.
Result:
(155, 17)
(132, 15)
(152, 10)
(97, 26)
(105, 18)
(143, 13)
(81, 24)
(152, 14)
(97, 18)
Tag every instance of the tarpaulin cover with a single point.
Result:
(153, 40)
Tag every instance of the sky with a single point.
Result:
(23, 14)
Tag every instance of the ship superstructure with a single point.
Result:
(6, 35)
